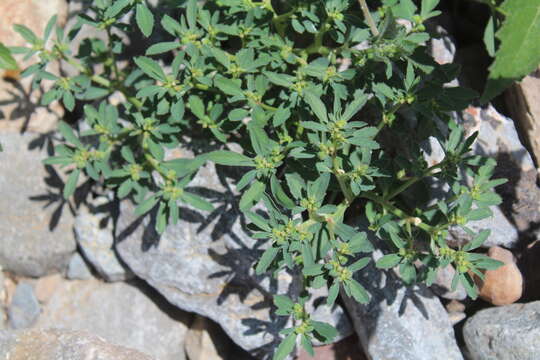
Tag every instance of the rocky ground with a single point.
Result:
(87, 278)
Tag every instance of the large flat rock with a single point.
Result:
(120, 313)
(36, 227)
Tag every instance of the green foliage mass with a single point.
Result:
(332, 119)
(519, 51)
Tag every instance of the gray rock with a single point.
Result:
(77, 268)
(36, 226)
(121, 314)
(204, 264)
(510, 332)
(519, 211)
(400, 323)
(24, 309)
(94, 234)
(61, 345)
(443, 285)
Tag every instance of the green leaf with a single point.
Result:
(68, 100)
(360, 264)
(280, 194)
(229, 158)
(145, 19)
(307, 345)
(489, 36)
(357, 291)
(519, 50)
(283, 302)
(150, 68)
(71, 183)
(7, 62)
(266, 259)
(388, 261)
(228, 86)
(478, 240)
(68, 134)
(196, 106)
(252, 195)
(285, 348)
(162, 47)
(191, 14)
(333, 292)
(327, 331)
(26, 33)
(197, 202)
(317, 106)
(146, 205)
(355, 106)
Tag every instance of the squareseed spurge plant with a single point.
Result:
(332, 105)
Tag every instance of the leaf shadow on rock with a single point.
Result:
(24, 103)
(55, 184)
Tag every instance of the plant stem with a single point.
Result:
(411, 182)
(368, 17)
(394, 210)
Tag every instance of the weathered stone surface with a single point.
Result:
(523, 102)
(204, 341)
(504, 285)
(205, 265)
(443, 285)
(20, 107)
(400, 323)
(36, 227)
(24, 309)
(119, 313)
(61, 345)
(510, 332)
(518, 213)
(77, 268)
(94, 234)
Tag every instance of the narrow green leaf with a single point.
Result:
(150, 68)
(146, 205)
(357, 291)
(266, 259)
(252, 195)
(327, 331)
(229, 158)
(71, 183)
(307, 345)
(162, 47)
(197, 202)
(388, 261)
(286, 347)
(191, 14)
(316, 105)
(145, 19)
(68, 134)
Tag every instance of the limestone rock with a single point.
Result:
(20, 106)
(24, 309)
(61, 345)
(77, 268)
(120, 313)
(504, 285)
(94, 234)
(443, 285)
(35, 223)
(205, 341)
(510, 332)
(523, 101)
(400, 323)
(204, 264)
